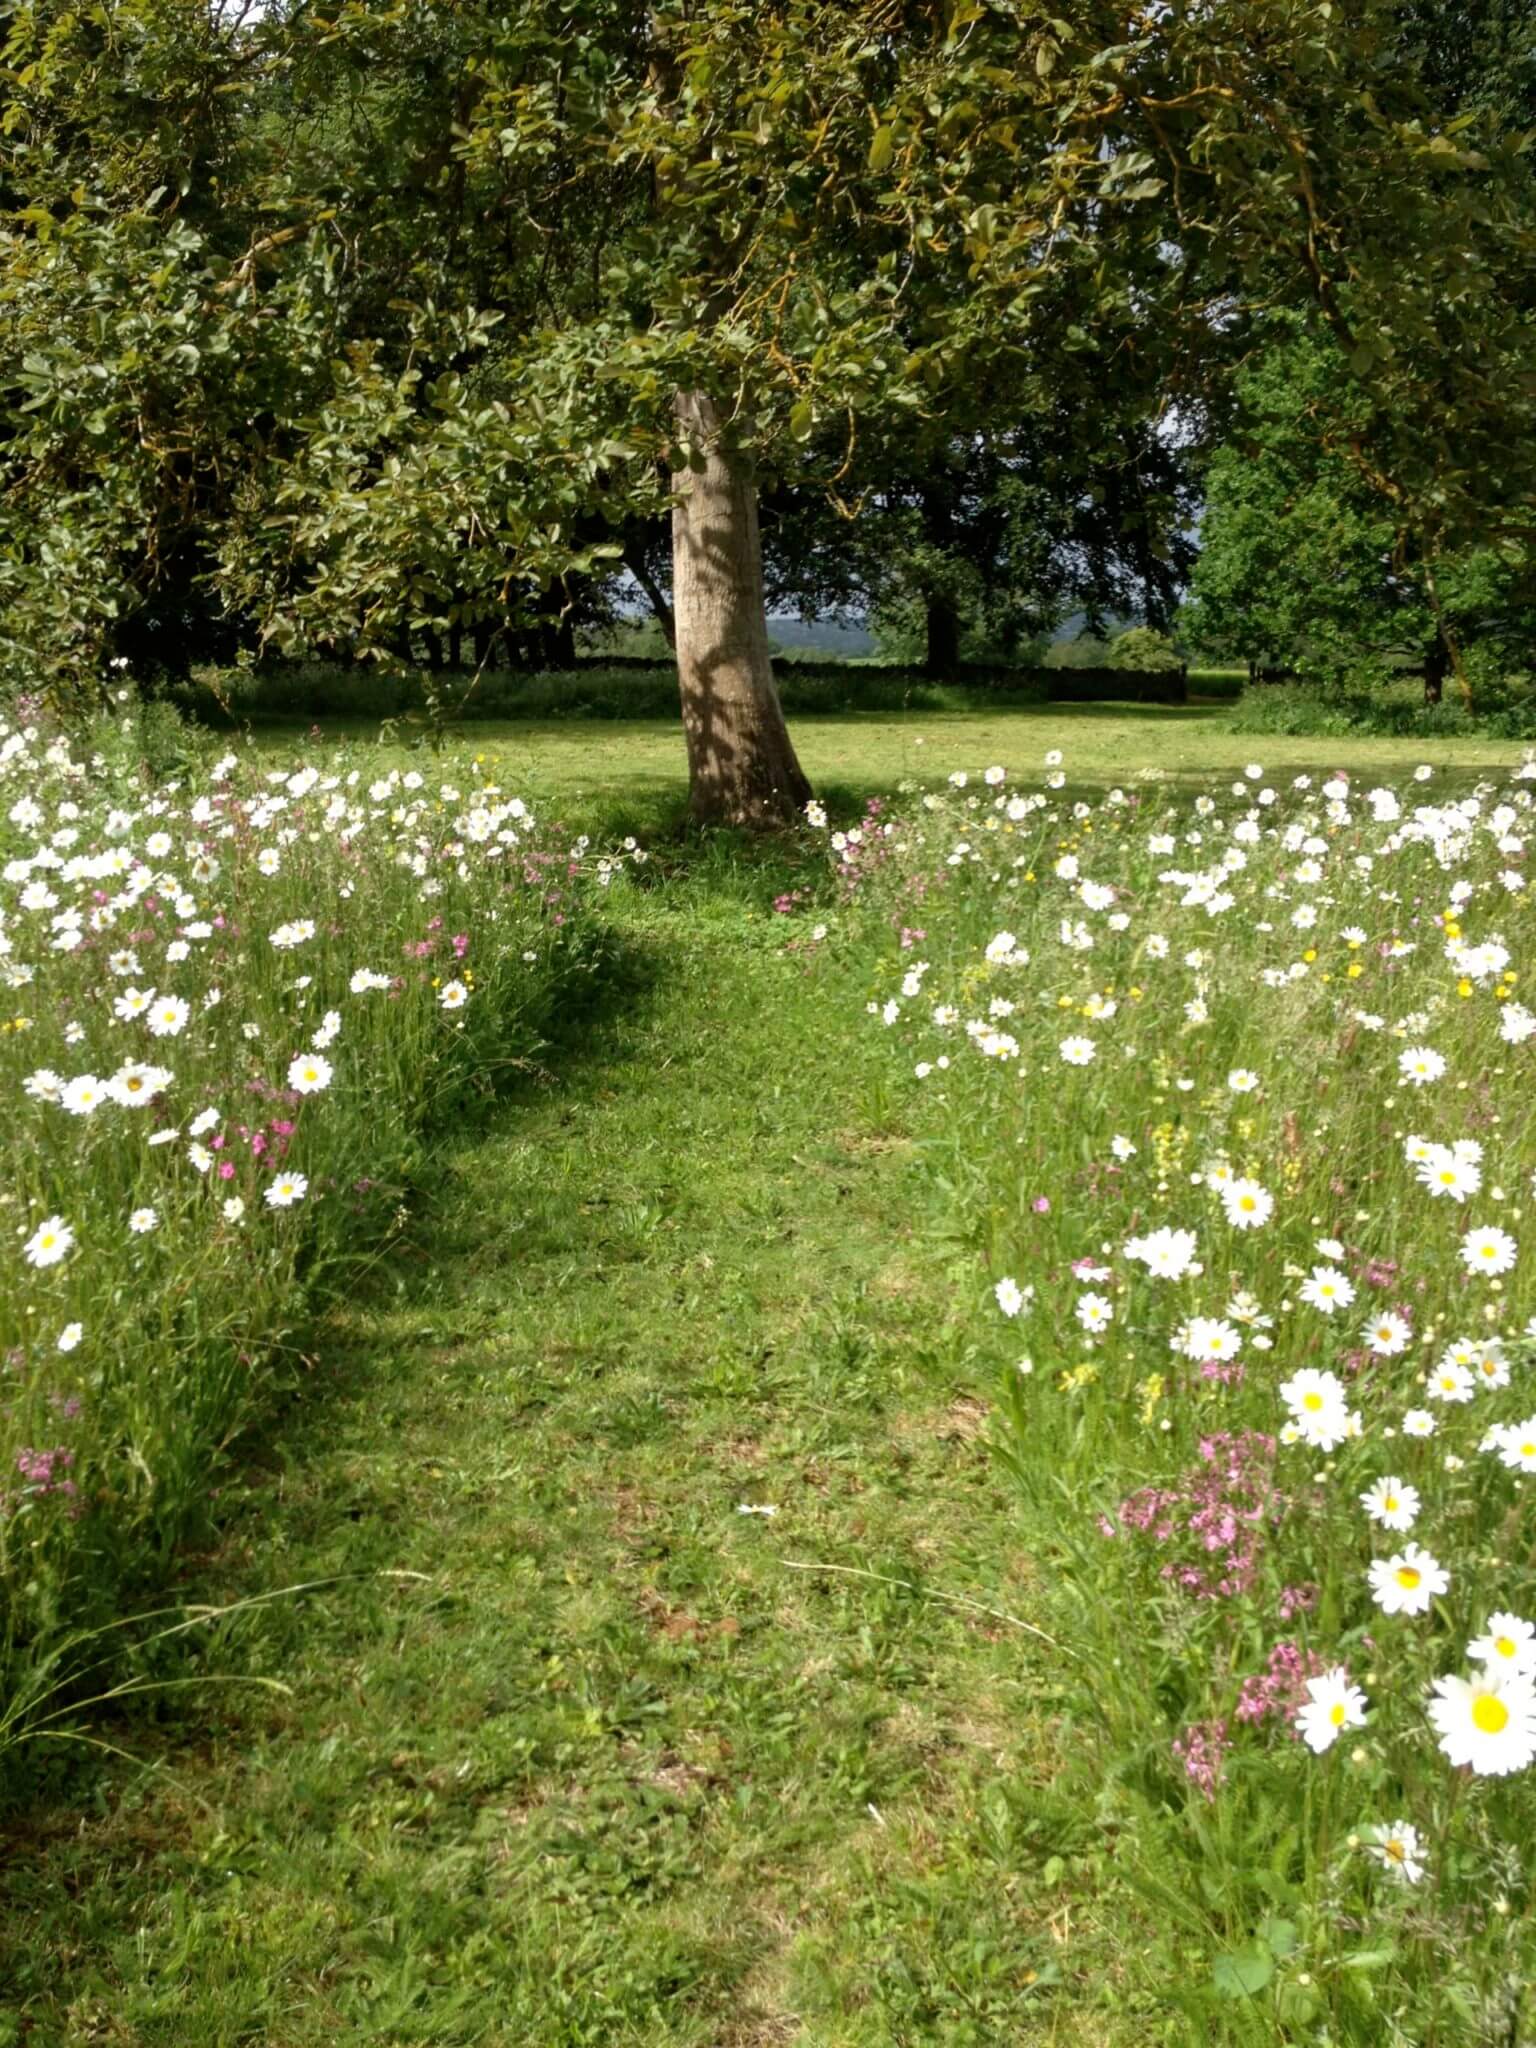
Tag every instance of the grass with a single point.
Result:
(612, 1769)
(630, 767)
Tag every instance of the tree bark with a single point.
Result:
(1437, 666)
(742, 768)
(942, 659)
(634, 561)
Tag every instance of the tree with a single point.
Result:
(1303, 561)
(520, 280)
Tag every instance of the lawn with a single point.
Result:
(580, 1743)
(639, 763)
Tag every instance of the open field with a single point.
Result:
(640, 762)
(579, 1748)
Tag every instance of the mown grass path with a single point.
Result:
(609, 1771)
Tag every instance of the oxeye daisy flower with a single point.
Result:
(1489, 1251)
(1487, 1723)
(1166, 1254)
(133, 1002)
(44, 1086)
(1009, 1298)
(1077, 1051)
(1209, 1337)
(1332, 1705)
(1516, 1445)
(1507, 1644)
(83, 1094)
(1122, 1149)
(1247, 1204)
(143, 1221)
(1420, 1063)
(167, 1016)
(1396, 1846)
(287, 1189)
(1419, 1422)
(1391, 1503)
(1408, 1582)
(1388, 1335)
(1444, 1174)
(1327, 1290)
(51, 1241)
(1451, 1383)
(453, 996)
(1490, 1367)
(136, 1085)
(308, 1073)
(1094, 1313)
(1242, 1080)
(70, 1335)
(1318, 1408)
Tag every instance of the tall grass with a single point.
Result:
(235, 997)
(1230, 1101)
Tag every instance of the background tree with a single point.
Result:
(1303, 562)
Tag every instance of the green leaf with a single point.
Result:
(802, 418)
(1243, 1972)
(882, 148)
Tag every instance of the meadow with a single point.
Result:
(914, 1434)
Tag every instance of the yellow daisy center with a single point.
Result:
(1389, 1503)
(1490, 1716)
(1505, 1645)
(1336, 1715)
(1312, 1402)
(1395, 1850)
(1408, 1577)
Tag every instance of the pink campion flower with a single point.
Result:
(1279, 1692)
(226, 1169)
(1296, 1600)
(1202, 1749)
(41, 1469)
(460, 945)
(1041, 1205)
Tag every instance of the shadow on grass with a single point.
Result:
(627, 976)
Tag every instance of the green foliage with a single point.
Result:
(1359, 707)
(1143, 647)
(176, 1308)
(340, 328)
(1303, 561)
(1192, 1559)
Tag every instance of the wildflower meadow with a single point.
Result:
(1230, 1095)
(235, 999)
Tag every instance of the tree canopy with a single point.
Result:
(344, 319)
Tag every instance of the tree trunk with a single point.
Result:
(563, 632)
(635, 562)
(741, 763)
(942, 660)
(1437, 666)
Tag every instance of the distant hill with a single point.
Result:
(821, 637)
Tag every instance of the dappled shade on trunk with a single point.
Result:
(741, 762)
